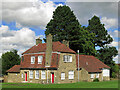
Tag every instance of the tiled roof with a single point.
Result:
(15, 68)
(27, 61)
(90, 63)
(56, 47)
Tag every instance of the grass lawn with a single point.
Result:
(104, 84)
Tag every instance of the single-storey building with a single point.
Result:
(55, 62)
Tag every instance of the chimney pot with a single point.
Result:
(38, 41)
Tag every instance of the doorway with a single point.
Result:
(25, 76)
(52, 77)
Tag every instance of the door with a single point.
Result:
(25, 76)
(52, 77)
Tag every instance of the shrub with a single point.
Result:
(96, 80)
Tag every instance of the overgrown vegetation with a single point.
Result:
(96, 80)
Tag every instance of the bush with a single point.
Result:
(114, 75)
(96, 80)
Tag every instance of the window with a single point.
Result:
(92, 76)
(97, 75)
(62, 76)
(37, 74)
(71, 75)
(43, 75)
(32, 59)
(106, 72)
(22, 75)
(67, 58)
(31, 74)
(40, 58)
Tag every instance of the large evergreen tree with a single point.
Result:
(9, 59)
(65, 26)
(101, 35)
(102, 39)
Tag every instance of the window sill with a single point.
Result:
(36, 78)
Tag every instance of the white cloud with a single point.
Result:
(21, 39)
(109, 22)
(30, 14)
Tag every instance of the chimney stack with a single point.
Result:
(66, 43)
(48, 50)
(38, 40)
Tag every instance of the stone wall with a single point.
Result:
(66, 67)
(13, 77)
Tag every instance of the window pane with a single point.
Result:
(40, 58)
(43, 75)
(62, 76)
(71, 75)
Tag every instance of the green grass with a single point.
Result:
(104, 84)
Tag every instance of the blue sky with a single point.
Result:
(22, 22)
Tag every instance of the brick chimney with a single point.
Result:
(38, 40)
(48, 50)
(66, 43)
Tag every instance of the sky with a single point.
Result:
(22, 21)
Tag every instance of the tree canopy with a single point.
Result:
(101, 35)
(9, 59)
(65, 26)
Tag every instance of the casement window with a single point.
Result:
(32, 59)
(40, 58)
(71, 75)
(62, 75)
(31, 74)
(43, 76)
(67, 58)
(97, 75)
(106, 72)
(91, 75)
(37, 74)
(22, 75)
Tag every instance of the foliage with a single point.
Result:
(96, 80)
(84, 43)
(101, 35)
(65, 26)
(9, 59)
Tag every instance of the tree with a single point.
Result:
(65, 26)
(106, 55)
(9, 59)
(101, 35)
(84, 42)
(102, 38)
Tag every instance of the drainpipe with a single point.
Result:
(78, 65)
(47, 74)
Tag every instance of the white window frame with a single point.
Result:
(37, 74)
(71, 74)
(40, 58)
(32, 61)
(67, 58)
(31, 74)
(62, 75)
(97, 75)
(91, 75)
(43, 74)
(22, 75)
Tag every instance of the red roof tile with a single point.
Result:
(27, 61)
(15, 68)
(56, 47)
(90, 63)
